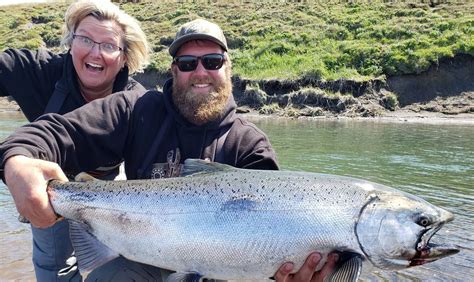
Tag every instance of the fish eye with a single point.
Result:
(423, 221)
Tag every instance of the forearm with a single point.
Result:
(82, 140)
(29, 77)
(34, 140)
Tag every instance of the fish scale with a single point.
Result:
(226, 223)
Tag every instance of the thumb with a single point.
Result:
(53, 171)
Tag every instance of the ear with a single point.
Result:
(174, 68)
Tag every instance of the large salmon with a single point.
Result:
(221, 222)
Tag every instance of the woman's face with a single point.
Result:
(95, 66)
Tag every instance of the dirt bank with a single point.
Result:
(445, 89)
(444, 92)
(447, 78)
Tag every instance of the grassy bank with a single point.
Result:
(286, 40)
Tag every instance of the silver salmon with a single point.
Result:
(217, 221)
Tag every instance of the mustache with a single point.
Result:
(201, 80)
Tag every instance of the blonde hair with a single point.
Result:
(135, 43)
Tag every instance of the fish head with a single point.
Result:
(394, 230)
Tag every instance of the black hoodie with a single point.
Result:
(142, 128)
(31, 78)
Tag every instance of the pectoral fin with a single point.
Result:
(348, 268)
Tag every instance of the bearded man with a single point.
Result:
(153, 133)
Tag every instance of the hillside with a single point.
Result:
(294, 58)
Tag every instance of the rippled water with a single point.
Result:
(435, 162)
(15, 237)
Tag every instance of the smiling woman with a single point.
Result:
(97, 56)
(104, 45)
(63, 82)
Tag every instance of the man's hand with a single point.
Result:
(307, 271)
(27, 180)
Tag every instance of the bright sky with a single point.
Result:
(10, 2)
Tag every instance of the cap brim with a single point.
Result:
(174, 47)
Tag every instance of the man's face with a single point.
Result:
(201, 95)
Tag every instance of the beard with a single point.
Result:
(200, 108)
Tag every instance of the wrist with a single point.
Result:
(7, 166)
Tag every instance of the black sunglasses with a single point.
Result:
(187, 63)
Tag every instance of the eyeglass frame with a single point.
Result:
(120, 49)
(199, 58)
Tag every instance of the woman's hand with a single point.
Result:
(27, 180)
(307, 271)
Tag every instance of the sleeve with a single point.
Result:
(77, 141)
(262, 156)
(134, 85)
(252, 147)
(29, 77)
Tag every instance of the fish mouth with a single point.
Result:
(427, 252)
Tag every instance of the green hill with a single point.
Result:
(286, 39)
(291, 54)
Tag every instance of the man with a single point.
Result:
(153, 132)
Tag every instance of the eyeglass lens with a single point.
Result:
(189, 63)
(87, 43)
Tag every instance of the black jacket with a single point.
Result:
(144, 128)
(31, 78)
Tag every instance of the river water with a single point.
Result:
(435, 162)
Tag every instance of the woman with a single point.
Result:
(104, 46)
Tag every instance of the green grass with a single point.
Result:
(286, 39)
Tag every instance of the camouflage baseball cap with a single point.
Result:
(198, 30)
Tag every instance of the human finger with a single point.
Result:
(283, 272)
(327, 268)
(306, 271)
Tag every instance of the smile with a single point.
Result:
(201, 85)
(94, 67)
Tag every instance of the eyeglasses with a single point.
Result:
(187, 63)
(87, 43)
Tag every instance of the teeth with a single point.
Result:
(95, 66)
(201, 85)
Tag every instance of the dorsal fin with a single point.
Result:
(197, 166)
(85, 177)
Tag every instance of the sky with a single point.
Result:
(10, 2)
